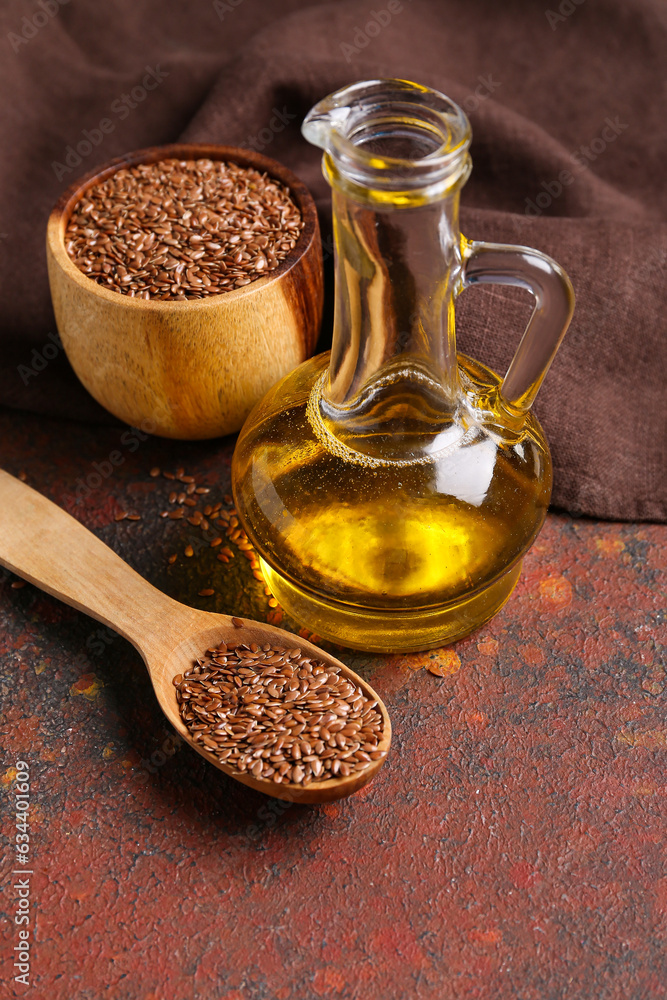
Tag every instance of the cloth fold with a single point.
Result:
(568, 157)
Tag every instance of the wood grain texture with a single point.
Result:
(52, 550)
(194, 369)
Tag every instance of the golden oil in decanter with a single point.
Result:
(385, 555)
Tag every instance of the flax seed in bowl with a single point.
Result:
(186, 280)
(182, 229)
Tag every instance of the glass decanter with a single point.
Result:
(391, 487)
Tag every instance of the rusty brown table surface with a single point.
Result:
(512, 846)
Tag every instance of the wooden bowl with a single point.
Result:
(190, 369)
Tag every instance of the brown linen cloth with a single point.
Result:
(566, 99)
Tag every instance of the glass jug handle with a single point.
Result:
(504, 264)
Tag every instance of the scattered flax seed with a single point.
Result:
(23, 475)
(18, 584)
(133, 517)
(227, 520)
(279, 714)
(237, 623)
(182, 229)
(155, 471)
(120, 516)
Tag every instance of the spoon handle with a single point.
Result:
(46, 546)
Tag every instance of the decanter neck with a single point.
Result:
(396, 273)
(396, 156)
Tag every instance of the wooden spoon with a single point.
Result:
(46, 546)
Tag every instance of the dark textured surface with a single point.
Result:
(512, 846)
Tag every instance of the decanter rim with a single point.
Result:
(337, 125)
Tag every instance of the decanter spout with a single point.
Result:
(329, 115)
(391, 135)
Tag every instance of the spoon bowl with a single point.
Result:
(207, 630)
(55, 552)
